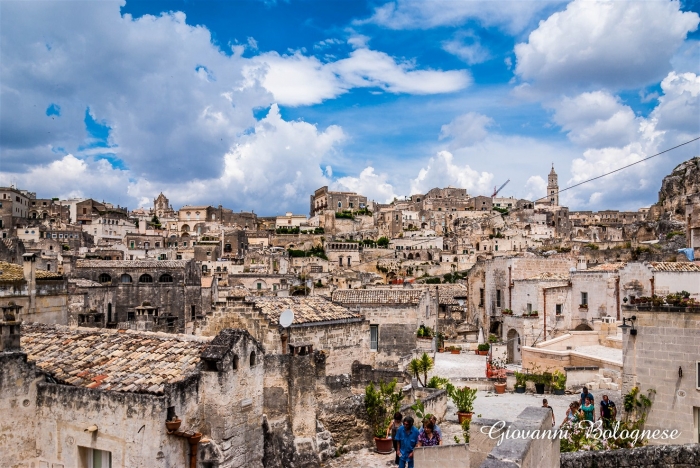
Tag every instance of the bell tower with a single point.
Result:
(553, 187)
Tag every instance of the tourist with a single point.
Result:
(585, 393)
(608, 411)
(588, 409)
(546, 405)
(429, 437)
(570, 416)
(433, 419)
(406, 440)
(391, 432)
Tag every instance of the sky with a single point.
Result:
(255, 104)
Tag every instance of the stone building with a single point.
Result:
(159, 295)
(394, 316)
(324, 199)
(663, 354)
(75, 395)
(14, 209)
(343, 254)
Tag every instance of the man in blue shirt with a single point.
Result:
(406, 438)
(585, 394)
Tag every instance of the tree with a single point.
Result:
(421, 366)
(383, 242)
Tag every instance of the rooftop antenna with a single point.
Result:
(286, 320)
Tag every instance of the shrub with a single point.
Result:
(520, 379)
(463, 398)
(381, 404)
(483, 347)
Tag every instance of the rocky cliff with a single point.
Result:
(677, 186)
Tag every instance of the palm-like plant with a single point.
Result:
(420, 367)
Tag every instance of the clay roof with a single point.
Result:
(306, 309)
(378, 296)
(547, 276)
(85, 283)
(238, 292)
(607, 267)
(447, 293)
(14, 272)
(139, 362)
(674, 266)
(131, 263)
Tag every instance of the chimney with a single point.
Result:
(29, 266)
(581, 265)
(10, 328)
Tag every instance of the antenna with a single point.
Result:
(286, 318)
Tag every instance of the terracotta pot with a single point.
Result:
(483, 353)
(441, 350)
(173, 425)
(384, 445)
(464, 416)
(500, 387)
(195, 438)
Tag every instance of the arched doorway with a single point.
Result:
(583, 327)
(513, 346)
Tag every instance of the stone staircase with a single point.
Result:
(606, 379)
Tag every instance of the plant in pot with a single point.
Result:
(440, 342)
(380, 405)
(539, 378)
(483, 349)
(420, 367)
(558, 382)
(498, 366)
(520, 382)
(456, 350)
(463, 398)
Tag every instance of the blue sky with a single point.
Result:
(254, 104)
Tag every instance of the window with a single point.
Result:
(498, 298)
(145, 278)
(427, 311)
(584, 298)
(529, 308)
(558, 309)
(165, 278)
(252, 358)
(193, 311)
(373, 337)
(481, 297)
(93, 458)
(105, 278)
(259, 285)
(348, 261)
(340, 261)
(340, 204)
(125, 278)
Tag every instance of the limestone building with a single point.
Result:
(324, 199)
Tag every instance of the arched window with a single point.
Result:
(145, 278)
(252, 358)
(165, 278)
(125, 278)
(105, 278)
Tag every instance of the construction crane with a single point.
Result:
(495, 190)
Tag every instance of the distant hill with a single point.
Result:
(683, 181)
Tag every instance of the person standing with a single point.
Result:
(406, 439)
(588, 409)
(608, 411)
(429, 437)
(585, 393)
(391, 432)
(545, 404)
(433, 419)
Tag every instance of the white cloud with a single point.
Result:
(368, 183)
(467, 46)
(301, 80)
(466, 130)
(679, 106)
(596, 119)
(441, 172)
(536, 188)
(421, 14)
(604, 43)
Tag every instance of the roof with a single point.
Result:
(306, 309)
(547, 276)
(674, 266)
(207, 281)
(607, 267)
(447, 293)
(85, 283)
(103, 359)
(378, 296)
(131, 263)
(14, 272)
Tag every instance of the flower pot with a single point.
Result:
(441, 350)
(519, 389)
(464, 416)
(558, 392)
(173, 425)
(483, 353)
(384, 445)
(456, 351)
(539, 388)
(500, 387)
(195, 438)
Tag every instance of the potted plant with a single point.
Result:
(539, 379)
(440, 342)
(499, 373)
(520, 382)
(558, 382)
(463, 398)
(380, 405)
(455, 349)
(483, 349)
(507, 312)
(583, 306)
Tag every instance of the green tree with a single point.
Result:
(383, 242)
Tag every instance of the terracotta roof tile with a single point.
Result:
(14, 272)
(675, 266)
(109, 360)
(131, 263)
(306, 309)
(378, 296)
(607, 267)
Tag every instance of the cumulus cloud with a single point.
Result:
(441, 171)
(466, 130)
(604, 44)
(679, 106)
(597, 119)
(298, 79)
(467, 46)
(370, 184)
(536, 188)
(419, 14)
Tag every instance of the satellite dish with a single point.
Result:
(286, 318)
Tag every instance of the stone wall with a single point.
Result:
(454, 456)
(652, 456)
